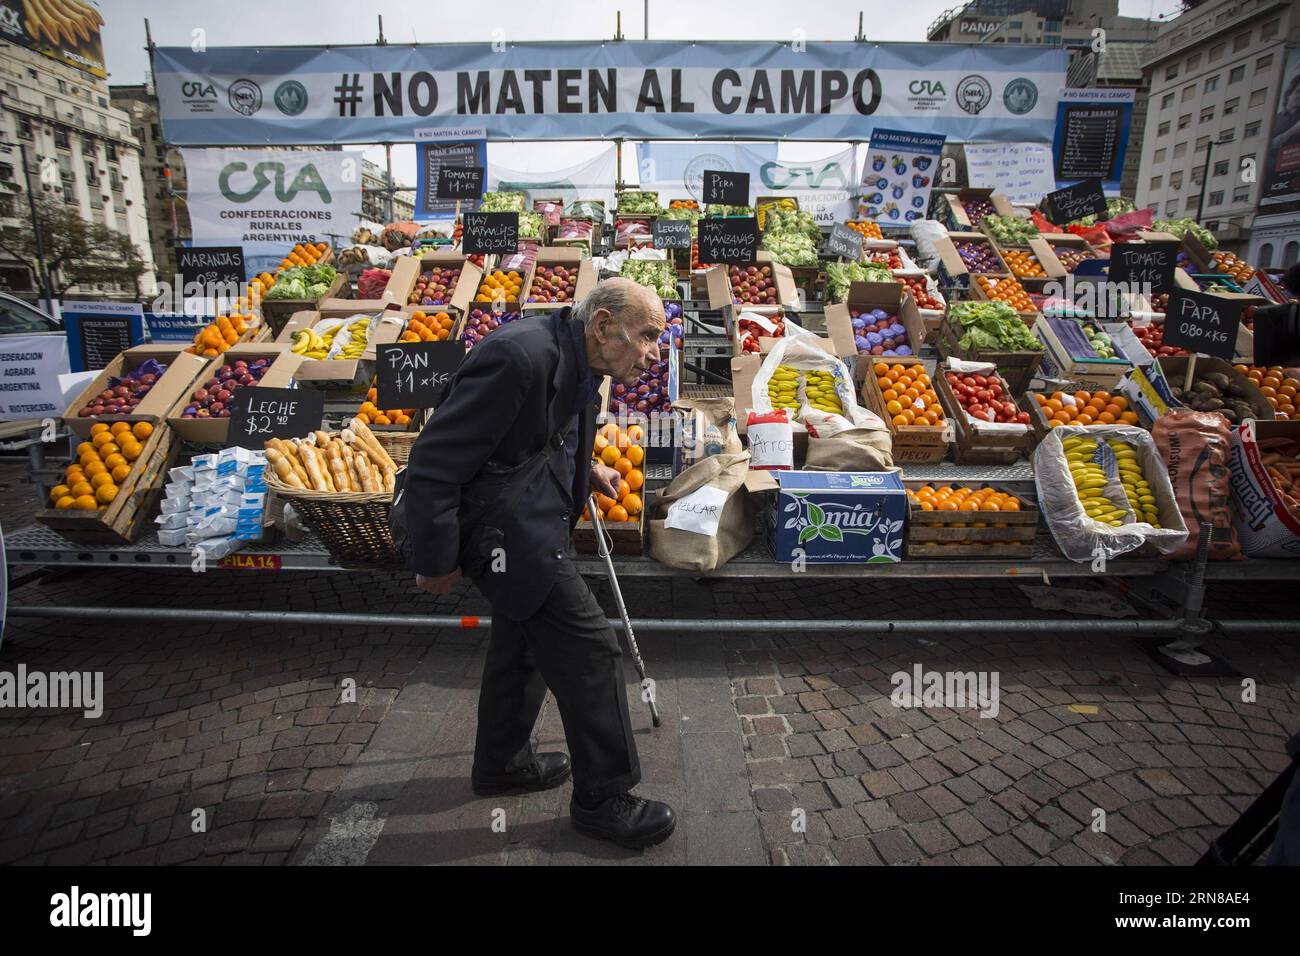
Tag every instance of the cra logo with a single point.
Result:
(307, 179)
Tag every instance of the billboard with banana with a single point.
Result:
(64, 30)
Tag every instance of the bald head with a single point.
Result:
(623, 323)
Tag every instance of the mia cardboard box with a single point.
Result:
(891, 297)
(182, 369)
(571, 258)
(213, 430)
(390, 325)
(718, 283)
(1266, 527)
(830, 517)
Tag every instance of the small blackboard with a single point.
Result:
(1204, 323)
(671, 233)
(726, 188)
(459, 182)
(845, 242)
(733, 241)
(1149, 265)
(1075, 202)
(414, 374)
(210, 265)
(490, 233)
(257, 414)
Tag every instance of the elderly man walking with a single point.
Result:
(494, 485)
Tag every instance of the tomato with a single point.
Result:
(981, 381)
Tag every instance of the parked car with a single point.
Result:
(17, 316)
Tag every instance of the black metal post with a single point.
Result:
(1205, 181)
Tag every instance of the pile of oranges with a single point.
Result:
(622, 451)
(1085, 408)
(961, 498)
(869, 228)
(224, 332)
(372, 415)
(304, 254)
(422, 327)
(908, 394)
(1277, 388)
(1023, 264)
(500, 285)
(90, 483)
(1007, 290)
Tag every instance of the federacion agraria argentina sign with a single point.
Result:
(598, 90)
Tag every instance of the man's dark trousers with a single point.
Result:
(569, 646)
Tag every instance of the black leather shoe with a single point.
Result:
(545, 771)
(627, 819)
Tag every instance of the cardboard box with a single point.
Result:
(1265, 526)
(952, 270)
(569, 257)
(719, 284)
(1042, 251)
(345, 370)
(182, 369)
(1175, 370)
(954, 206)
(1196, 251)
(212, 431)
(893, 298)
(974, 445)
(1090, 373)
(864, 517)
(744, 369)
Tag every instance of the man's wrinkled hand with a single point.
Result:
(443, 585)
(605, 480)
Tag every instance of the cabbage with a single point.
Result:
(655, 274)
(992, 325)
(634, 201)
(1115, 206)
(1180, 227)
(840, 275)
(303, 282)
(502, 202)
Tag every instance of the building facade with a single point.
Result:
(1215, 73)
(162, 172)
(59, 115)
(1068, 23)
(374, 196)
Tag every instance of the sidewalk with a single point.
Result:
(758, 735)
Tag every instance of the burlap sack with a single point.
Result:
(690, 550)
(854, 449)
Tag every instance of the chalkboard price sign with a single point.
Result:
(1148, 265)
(490, 233)
(671, 233)
(414, 374)
(1204, 323)
(1075, 202)
(726, 188)
(460, 182)
(257, 414)
(210, 265)
(845, 242)
(733, 241)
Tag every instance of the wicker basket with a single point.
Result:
(353, 525)
(397, 444)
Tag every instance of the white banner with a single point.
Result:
(1020, 171)
(30, 366)
(593, 179)
(267, 201)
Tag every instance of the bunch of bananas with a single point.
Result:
(313, 345)
(783, 389)
(1092, 467)
(358, 334)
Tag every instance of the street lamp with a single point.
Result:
(1205, 179)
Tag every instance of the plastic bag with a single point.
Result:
(1042, 223)
(1197, 448)
(987, 369)
(708, 428)
(803, 353)
(1083, 539)
(771, 440)
(1126, 226)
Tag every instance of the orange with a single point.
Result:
(108, 448)
(990, 506)
(1083, 418)
(1011, 504)
(81, 488)
(636, 455)
(119, 427)
(113, 460)
(101, 479)
(894, 408)
(604, 502)
(98, 427)
(610, 454)
(890, 395)
(1106, 418)
(636, 433)
(59, 491)
(599, 445)
(85, 448)
(120, 472)
(632, 502)
(106, 493)
(132, 452)
(622, 466)
(85, 502)
(617, 513)
(66, 502)
(635, 479)
(610, 431)
(1119, 400)
(1128, 418)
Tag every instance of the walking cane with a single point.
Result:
(602, 546)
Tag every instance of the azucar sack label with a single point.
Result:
(699, 512)
(708, 495)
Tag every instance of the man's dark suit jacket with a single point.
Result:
(496, 409)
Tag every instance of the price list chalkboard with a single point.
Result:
(257, 414)
(845, 242)
(1090, 143)
(490, 233)
(415, 374)
(1204, 323)
(730, 240)
(671, 233)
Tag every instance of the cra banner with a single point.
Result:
(836, 91)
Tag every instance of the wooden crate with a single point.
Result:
(927, 536)
(913, 444)
(627, 537)
(1016, 368)
(971, 447)
(137, 497)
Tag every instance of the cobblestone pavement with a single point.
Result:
(245, 723)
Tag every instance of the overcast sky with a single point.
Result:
(249, 22)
